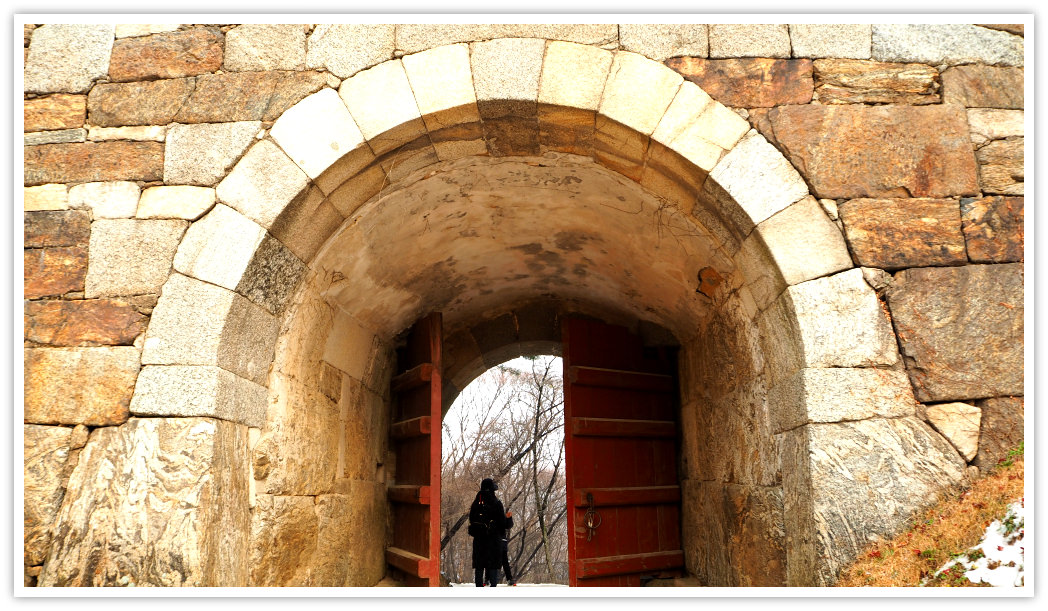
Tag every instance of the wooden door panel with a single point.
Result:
(415, 438)
(621, 457)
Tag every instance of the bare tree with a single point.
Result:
(508, 425)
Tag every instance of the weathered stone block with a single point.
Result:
(344, 49)
(896, 233)
(93, 162)
(101, 322)
(189, 391)
(988, 124)
(106, 200)
(839, 394)
(262, 184)
(750, 83)
(168, 55)
(318, 131)
(993, 229)
(944, 43)
(96, 385)
(758, 180)
(851, 41)
(284, 540)
(982, 86)
(265, 46)
(59, 111)
(749, 40)
(660, 41)
(878, 151)
(155, 133)
(804, 242)
(176, 202)
(867, 479)
(839, 322)
(157, 501)
(353, 521)
(959, 424)
(638, 92)
(142, 103)
(48, 452)
(698, 129)
(1001, 167)
(67, 57)
(55, 137)
(248, 96)
(300, 445)
(849, 81)
(1002, 429)
(45, 197)
(131, 256)
(50, 272)
(56, 228)
(961, 330)
(196, 323)
(202, 154)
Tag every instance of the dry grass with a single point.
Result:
(945, 531)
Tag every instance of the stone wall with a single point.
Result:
(909, 136)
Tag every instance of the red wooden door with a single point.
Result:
(415, 493)
(621, 457)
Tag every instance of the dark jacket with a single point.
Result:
(487, 549)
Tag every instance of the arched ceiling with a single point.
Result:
(475, 235)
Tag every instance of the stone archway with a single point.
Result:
(287, 299)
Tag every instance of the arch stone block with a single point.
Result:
(262, 184)
(190, 390)
(196, 323)
(570, 89)
(317, 132)
(442, 81)
(383, 106)
(804, 242)
(757, 179)
(835, 321)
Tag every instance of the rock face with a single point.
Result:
(202, 154)
(905, 466)
(1003, 428)
(979, 86)
(953, 43)
(959, 424)
(897, 233)
(880, 151)
(749, 83)
(95, 322)
(104, 380)
(49, 455)
(961, 330)
(849, 81)
(155, 502)
(993, 229)
(172, 55)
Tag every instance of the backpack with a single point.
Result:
(482, 526)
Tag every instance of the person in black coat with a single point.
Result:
(487, 525)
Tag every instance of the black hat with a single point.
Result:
(489, 484)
